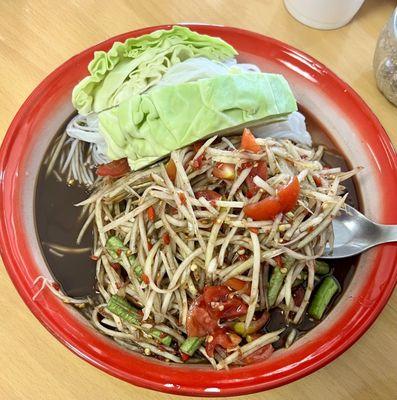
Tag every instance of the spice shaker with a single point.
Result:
(385, 60)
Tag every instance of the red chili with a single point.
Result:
(166, 238)
(182, 198)
(56, 285)
(149, 245)
(254, 230)
(243, 257)
(170, 167)
(151, 214)
(116, 266)
(317, 180)
(145, 279)
(184, 356)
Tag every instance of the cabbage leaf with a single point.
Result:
(130, 68)
(149, 126)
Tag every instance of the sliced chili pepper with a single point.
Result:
(145, 279)
(166, 238)
(151, 213)
(182, 198)
(170, 168)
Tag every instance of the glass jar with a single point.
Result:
(385, 60)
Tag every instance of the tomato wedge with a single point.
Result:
(239, 285)
(224, 171)
(170, 168)
(268, 208)
(215, 304)
(261, 354)
(198, 162)
(288, 195)
(222, 304)
(208, 194)
(199, 321)
(114, 169)
(221, 337)
(248, 142)
(259, 170)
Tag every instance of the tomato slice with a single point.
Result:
(263, 210)
(248, 142)
(208, 194)
(199, 321)
(198, 162)
(222, 303)
(224, 171)
(259, 170)
(288, 195)
(221, 337)
(170, 168)
(261, 354)
(215, 294)
(269, 207)
(239, 285)
(114, 169)
(216, 303)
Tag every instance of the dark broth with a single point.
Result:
(57, 221)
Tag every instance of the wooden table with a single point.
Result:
(35, 37)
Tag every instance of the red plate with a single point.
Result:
(342, 112)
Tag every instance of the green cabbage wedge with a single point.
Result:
(132, 67)
(147, 127)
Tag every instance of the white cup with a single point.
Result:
(323, 14)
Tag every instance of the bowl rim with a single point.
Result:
(16, 258)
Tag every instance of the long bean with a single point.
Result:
(277, 279)
(323, 296)
(191, 345)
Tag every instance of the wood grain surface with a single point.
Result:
(35, 37)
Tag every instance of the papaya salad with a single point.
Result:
(209, 204)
